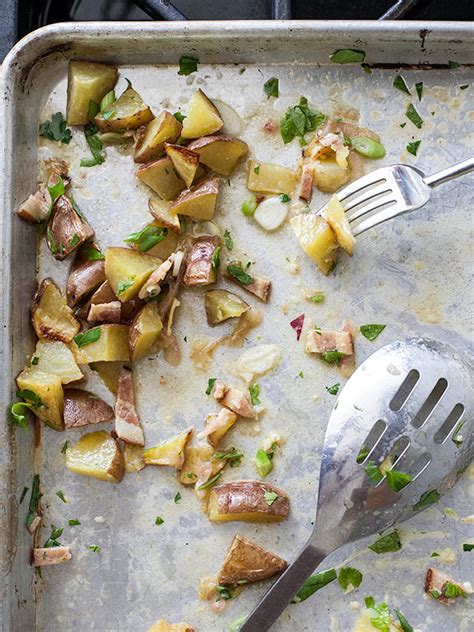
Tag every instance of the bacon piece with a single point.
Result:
(35, 524)
(297, 325)
(234, 399)
(51, 555)
(321, 341)
(200, 261)
(347, 363)
(105, 312)
(259, 287)
(152, 286)
(36, 207)
(127, 424)
(306, 182)
(436, 580)
(270, 126)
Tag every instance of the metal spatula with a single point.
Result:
(410, 401)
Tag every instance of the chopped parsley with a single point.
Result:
(73, 522)
(147, 237)
(124, 285)
(419, 89)
(24, 492)
(56, 533)
(412, 148)
(95, 145)
(284, 198)
(466, 547)
(400, 84)
(231, 455)
(347, 56)
(87, 337)
(229, 244)
(413, 116)
(270, 497)
(298, 120)
(464, 86)
(254, 390)
(367, 69)
(179, 117)
(263, 463)
(238, 623)
(371, 332)
(256, 170)
(212, 481)
(300, 374)
(379, 614)
(373, 472)
(426, 499)
(434, 554)
(334, 389)
(94, 548)
(210, 385)
(249, 206)
(64, 448)
(271, 87)
(236, 271)
(92, 254)
(349, 578)
(387, 543)
(405, 626)
(224, 592)
(56, 129)
(216, 259)
(332, 357)
(397, 480)
(61, 496)
(187, 64)
(74, 240)
(34, 500)
(177, 497)
(317, 298)
(452, 65)
(34, 360)
(18, 409)
(451, 591)
(315, 583)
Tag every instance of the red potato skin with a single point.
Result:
(247, 561)
(127, 423)
(82, 408)
(84, 278)
(248, 497)
(66, 231)
(199, 261)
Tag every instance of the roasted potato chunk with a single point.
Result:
(127, 424)
(249, 562)
(337, 220)
(145, 329)
(184, 161)
(110, 346)
(127, 112)
(221, 305)
(203, 117)
(219, 153)
(152, 138)
(84, 278)
(169, 452)
(82, 408)
(50, 314)
(160, 209)
(162, 177)
(105, 312)
(86, 82)
(164, 626)
(98, 455)
(49, 404)
(133, 456)
(247, 501)
(217, 425)
(200, 261)
(109, 373)
(48, 556)
(67, 229)
(127, 270)
(328, 175)
(265, 177)
(199, 201)
(317, 240)
(54, 356)
(195, 458)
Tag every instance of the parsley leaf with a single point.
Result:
(452, 65)
(229, 244)
(413, 116)
(187, 64)
(315, 583)
(179, 117)
(317, 298)
(419, 89)
(158, 521)
(387, 543)
(53, 538)
(60, 495)
(238, 623)
(271, 87)
(94, 548)
(349, 577)
(397, 480)
(235, 270)
(334, 389)
(254, 390)
(231, 455)
(466, 547)
(298, 120)
(34, 500)
(284, 198)
(210, 385)
(212, 481)
(95, 145)
(24, 492)
(464, 86)
(412, 148)
(270, 497)
(373, 472)
(371, 332)
(427, 498)
(73, 522)
(224, 592)
(380, 616)
(347, 56)
(332, 357)
(91, 253)
(405, 626)
(177, 497)
(56, 129)
(87, 337)
(64, 448)
(124, 285)
(400, 84)
(451, 591)
(147, 237)
(216, 259)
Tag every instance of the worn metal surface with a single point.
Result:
(412, 274)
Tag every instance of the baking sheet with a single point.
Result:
(412, 274)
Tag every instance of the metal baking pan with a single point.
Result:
(411, 274)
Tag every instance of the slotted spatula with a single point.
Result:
(411, 401)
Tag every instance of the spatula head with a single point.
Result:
(408, 407)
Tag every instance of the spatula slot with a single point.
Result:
(405, 390)
(430, 403)
(415, 465)
(371, 441)
(449, 423)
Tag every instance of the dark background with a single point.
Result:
(19, 17)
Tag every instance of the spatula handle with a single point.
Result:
(450, 173)
(283, 590)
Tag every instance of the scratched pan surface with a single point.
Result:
(412, 274)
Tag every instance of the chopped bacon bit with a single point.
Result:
(105, 312)
(270, 126)
(306, 182)
(435, 582)
(297, 325)
(219, 605)
(259, 199)
(347, 364)
(36, 207)
(234, 399)
(51, 555)
(320, 341)
(127, 424)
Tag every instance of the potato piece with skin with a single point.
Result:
(221, 305)
(161, 176)
(247, 501)
(248, 562)
(197, 457)
(105, 312)
(145, 329)
(82, 408)
(67, 229)
(48, 556)
(169, 452)
(328, 176)
(199, 201)
(54, 356)
(50, 314)
(200, 269)
(128, 112)
(109, 373)
(184, 161)
(133, 456)
(49, 403)
(217, 425)
(97, 454)
(203, 117)
(127, 423)
(111, 346)
(152, 138)
(87, 81)
(166, 247)
(220, 153)
(127, 270)
(160, 209)
(84, 278)
(165, 626)
(337, 220)
(263, 177)
(316, 239)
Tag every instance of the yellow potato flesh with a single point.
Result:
(48, 388)
(203, 117)
(160, 209)
(221, 305)
(109, 373)
(337, 220)
(133, 457)
(127, 270)
(127, 112)
(194, 457)
(165, 247)
(151, 144)
(198, 202)
(221, 154)
(144, 331)
(111, 346)
(316, 239)
(52, 317)
(329, 176)
(216, 436)
(170, 452)
(55, 357)
(87, 81)
(269, 178)
(184, 161)
(161, 176)
(96, 454)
